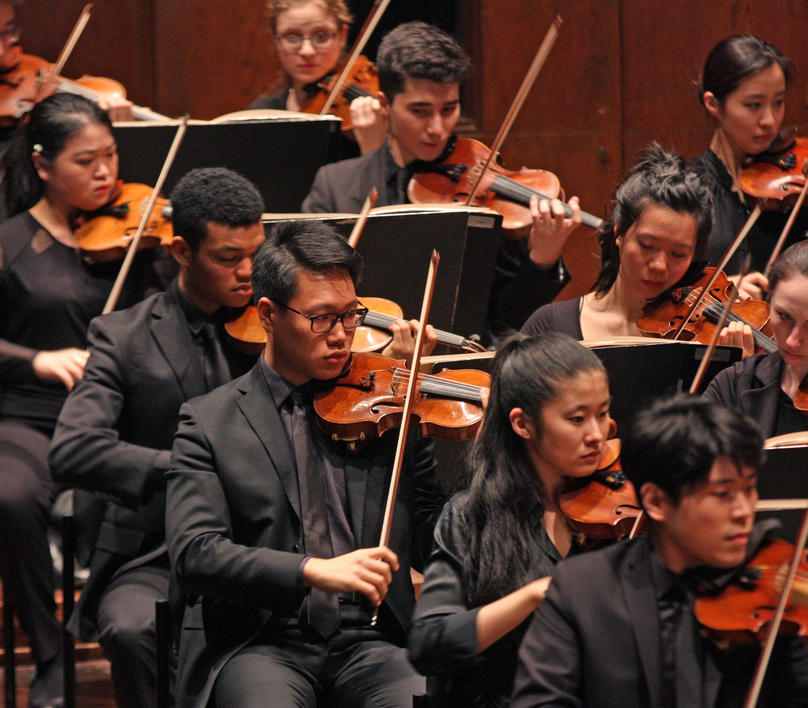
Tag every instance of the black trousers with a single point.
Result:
(126, 632)
(353, 669)
(26, 495)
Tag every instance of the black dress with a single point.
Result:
(443, 636)
(48, 296)
(730, 214)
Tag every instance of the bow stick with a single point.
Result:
(774, 628)
(750, 222)
(117, 286)
(372, 20)
(398, 460)
(791, 218)
(359, 226)
(57, 67)
(527, 83)
(722, 321)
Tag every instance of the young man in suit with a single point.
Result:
(420, 70)
(273, 528)
(115, 431)
(617, 627)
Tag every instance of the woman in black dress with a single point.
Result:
(743, 88)
(61, 164)
(495, 545)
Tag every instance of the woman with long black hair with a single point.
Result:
(495, 544)
(60, 165)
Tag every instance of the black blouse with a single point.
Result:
(730, 214)
(48, 295)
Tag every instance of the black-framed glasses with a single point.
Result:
(320, 324)
(319, 40)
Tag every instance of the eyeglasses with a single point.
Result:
(11, 35)
(320, 324)
(321, 40)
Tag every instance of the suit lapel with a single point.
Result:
(638, 591)
(170, 331)
(374, 176)
(258, 408)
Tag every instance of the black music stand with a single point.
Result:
(396, 245)
(280, 157)
(785, 476)
(640, 373)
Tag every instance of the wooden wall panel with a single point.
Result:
(117, 42)
(212, 57)
(570, 122)
(664, 46)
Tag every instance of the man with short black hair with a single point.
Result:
(420, 69)
(116, 428)
(273, 528)
(617, 627)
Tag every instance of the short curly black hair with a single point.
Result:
(417, 50)
(213, 195)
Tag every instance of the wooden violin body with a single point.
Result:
(606, 506)
(367, 400)
(741, 613)
(663, 318)
(775, 179)
(505, 191)
(363, 80)
(20, 86)
(249, 336)
(106, 233)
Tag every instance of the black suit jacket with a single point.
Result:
(115, 431)
(751, 385)
(343, 186)
(595, 642)
(234, 531)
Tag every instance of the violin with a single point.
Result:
(106, 233)
(366, 401)
(776, 178)
(663, 316)
(741, 612)
(247, 334)
(606, 506)
(21, 82)
(363, 80)
(505, 191)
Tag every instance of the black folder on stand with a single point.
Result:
(641, 373)
(396, 245)
(785, 476)
(280, 156)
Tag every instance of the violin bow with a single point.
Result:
(409, 401)
(362, 38)
(750, 222)
(359, 226)
(774, 628)
(56, 68)
(791, 218)
(117, 286)
(527, 83)
(722, 321)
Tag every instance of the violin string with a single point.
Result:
(511, 189)
(715, 307)
(439, 385)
